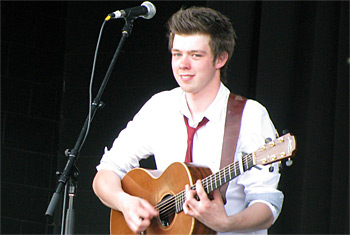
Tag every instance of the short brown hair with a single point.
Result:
(203, 20)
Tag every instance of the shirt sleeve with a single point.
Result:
(259, 183)
(132, 144)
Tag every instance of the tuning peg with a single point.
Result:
(268, 140)
(285, 131)
(289, 162)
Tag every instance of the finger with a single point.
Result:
(187, 192)
(134, 225)
(187, 208)
(188, 197)
(200, 191)
(139, 224)
(149, 210)
(187, 188)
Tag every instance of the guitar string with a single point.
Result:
(169, 205)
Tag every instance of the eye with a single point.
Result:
(176, 54)
(197, 55)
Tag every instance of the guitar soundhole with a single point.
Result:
(167, 213)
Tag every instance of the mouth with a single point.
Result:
(186, 77)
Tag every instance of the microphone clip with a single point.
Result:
(128, 26)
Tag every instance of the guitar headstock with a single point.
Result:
(276, 150)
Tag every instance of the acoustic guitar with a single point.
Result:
(165, 190)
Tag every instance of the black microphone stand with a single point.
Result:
(71, 172)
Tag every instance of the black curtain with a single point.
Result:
(294, 58)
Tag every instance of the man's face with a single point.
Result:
(192, 64)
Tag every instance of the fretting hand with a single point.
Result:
(210, 212)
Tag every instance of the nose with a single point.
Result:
(184, 62)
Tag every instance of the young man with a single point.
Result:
(201, 41)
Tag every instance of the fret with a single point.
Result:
(235, 170)
(223, 177)
(229, 172)
(205, 185)
(217, 178)
(211, 184)
(249, 162)
(245, 167)
(225, 180)
(220, 176)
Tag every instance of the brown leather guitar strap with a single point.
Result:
(235, 106)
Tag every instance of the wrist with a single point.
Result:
(121, 199)
(226, 225)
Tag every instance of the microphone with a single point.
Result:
(147, 10)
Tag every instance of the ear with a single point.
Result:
(221, 60)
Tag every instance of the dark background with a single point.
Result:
(293, 57)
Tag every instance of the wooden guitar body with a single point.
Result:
(157, 187)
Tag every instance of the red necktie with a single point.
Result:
(190, 134)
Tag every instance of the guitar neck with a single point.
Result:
(218, 179)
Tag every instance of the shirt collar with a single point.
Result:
(213, 112)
